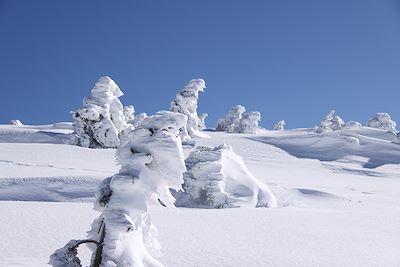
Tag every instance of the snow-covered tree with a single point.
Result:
(249, 123)
(239, 121)
(330, 123)
(186, 103)
(231, 121)
(216, 177)
(152, 163)
(101, 120)
(280, 126)
(16, 122)
(383, 121)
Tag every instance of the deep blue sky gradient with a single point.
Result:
(292, 60)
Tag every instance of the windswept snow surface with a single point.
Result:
(338, 197)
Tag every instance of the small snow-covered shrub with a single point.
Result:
(216, 177)
(280, 126)
(382, 121)
(101, 120)
(330, 123)
(16, 122)
(186, 103)
(352, 125)
(152, 162)
(239, 121)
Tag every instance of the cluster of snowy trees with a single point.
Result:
(239, 121)
(153, 169)
(332, 122)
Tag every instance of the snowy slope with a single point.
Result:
(338, 202)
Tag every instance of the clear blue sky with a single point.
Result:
(292, 60)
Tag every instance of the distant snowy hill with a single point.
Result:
(338, 198)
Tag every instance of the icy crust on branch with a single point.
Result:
(186, 103)
(218, 178)
(383, 121)
(330, 123)
(152, 163)
(66, 256)
(238, 121)
(280, 126)
(101, 120)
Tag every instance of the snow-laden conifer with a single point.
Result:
(383, 121)
(186, 103)
(331, 122)
(280, 126)
(101, 120)
(152, 163)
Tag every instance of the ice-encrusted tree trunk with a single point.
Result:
(101, 120)
(152, 163)
(280, 126)
(216, 177)
(330, 123)
(383, 121)
(186, 103)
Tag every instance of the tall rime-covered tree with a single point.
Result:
(186, 103)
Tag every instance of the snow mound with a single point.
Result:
(378, 146)
(218, 178)
(58, 133)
